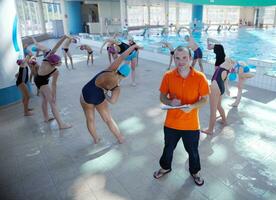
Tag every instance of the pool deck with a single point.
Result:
(38, 161)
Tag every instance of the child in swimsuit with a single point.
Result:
(95, 95)
(111, 50)
(48, 94)
(196, 49)
(89, 52)
(66, 52)
(32, 62)
(217, 90)
(21, 82)
(243, 73)
(40, 48)
(170, 47)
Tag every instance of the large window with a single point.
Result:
(29, 16)
(52, 11)
(185, 14)
(157, 15)
(172, 14)
(137, 15)
(221, 14)
(269, 14)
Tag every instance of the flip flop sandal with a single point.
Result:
(160, 173)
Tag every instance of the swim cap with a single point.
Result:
(246, 69)
(34, 49)
(232, 76)
(124, 70)
(19, 61)
(111, 50)
(82, 47)
(53, 59)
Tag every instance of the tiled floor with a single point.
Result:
(37, 161)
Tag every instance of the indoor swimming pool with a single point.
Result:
(239, 43)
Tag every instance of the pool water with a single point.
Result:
(240, 44)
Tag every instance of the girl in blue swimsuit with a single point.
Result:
(95, 95)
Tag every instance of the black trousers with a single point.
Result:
(190, 140)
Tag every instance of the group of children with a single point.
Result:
(105, 85)
(104, 88)
(41, 73)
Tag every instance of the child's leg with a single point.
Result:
(47, 93)
(71, 59)
(92, 58)
(226, 85)
(214, 100)
(133, 66)
(107, 118)
(239, 95)
(221, 111)
(87, 62)
(25, 98)
(194, 62)
(44, 106)
(65, 59)
(89, 111)
(200, 65)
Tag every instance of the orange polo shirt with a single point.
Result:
(188, 90)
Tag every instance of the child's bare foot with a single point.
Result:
(65, 126)
(223, 122)
(234, 105)
(28, 113)
(228, 93)
(49, 119)
(96, 140)
(207, 131)
(120, 139)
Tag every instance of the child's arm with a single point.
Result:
(34, 40)
(114, 95)
(58, 44)
(121, 58)
(54, 85)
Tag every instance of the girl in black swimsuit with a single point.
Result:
(217, 90)
(89, 52)
(95, 96)
(48, 95)
(21, 83)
